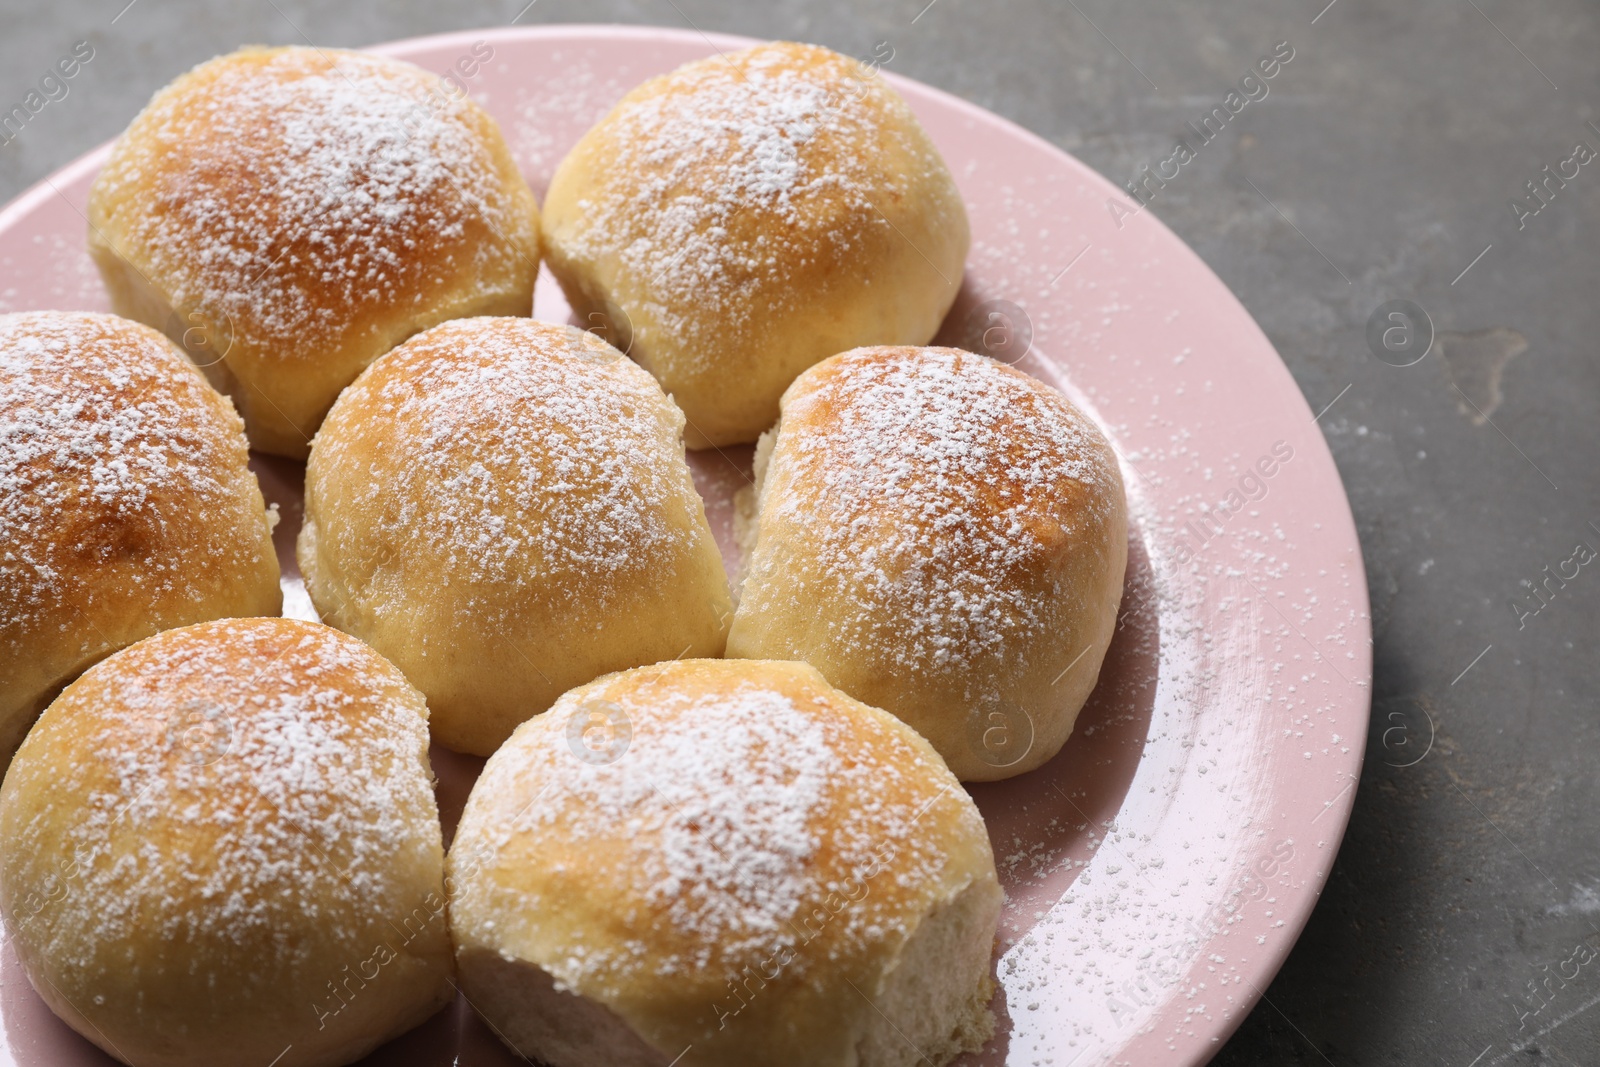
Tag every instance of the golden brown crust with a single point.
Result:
(223, 847)
(296, 212)
(502, 507)
(716, 852)
(126, 503)
(751, 214)
(944, 537)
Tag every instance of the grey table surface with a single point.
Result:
(1392, 152)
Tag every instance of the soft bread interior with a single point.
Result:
(545, 1024)
(747, 507)
(934, 1002)
(931, 1005)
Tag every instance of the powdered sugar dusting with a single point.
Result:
(726, 176)
(225, 780)
(512, 452)
(110, 442)
(551, 113)
(289, 197)
(734, 842)
(733, 813)
(937, 486)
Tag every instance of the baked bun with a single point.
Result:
(222, 847)
(502, 507)
(290, 214)
(942, 537)
(749, 214)
(126, 506)
(716, 862)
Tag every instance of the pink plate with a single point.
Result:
(1160, 868)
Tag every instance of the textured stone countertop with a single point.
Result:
(1391, 151)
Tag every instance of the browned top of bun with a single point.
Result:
(295, 198)
(123, 486)
(944, 496)
(663, 831)
(193, 800)
(773, 172)
(516, 461)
